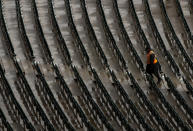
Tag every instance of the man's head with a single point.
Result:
(147, 49)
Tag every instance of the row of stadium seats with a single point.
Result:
(110, 38)
(149, 105)
(75, 33)
(4, 124)
(129, 102)
(133, 52)
(59, 114)
(13, 103)
(44, 44)
(168, 106)
(58, 34)
(111, 104)
(187, 29)
(98, 114)
(93, 35)
(179, 97)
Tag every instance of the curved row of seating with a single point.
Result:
(129, 102)
(106, 95)
(186, 27)
(93, 35)
(26, 87)
(138, 26)
(148, 103)
(54, 103)
(73, 101)
(170, 109)
(75, 33)
(4, 31)
(4, 123)
(43, 43)
(110, 38)
(176, 40)
(133, 52)
(63, 47)
(95, 108)
(22, 30)
(179, 97)
(15, 105)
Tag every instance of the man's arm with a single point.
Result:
(152, 56)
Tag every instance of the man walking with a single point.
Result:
(153, 66)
